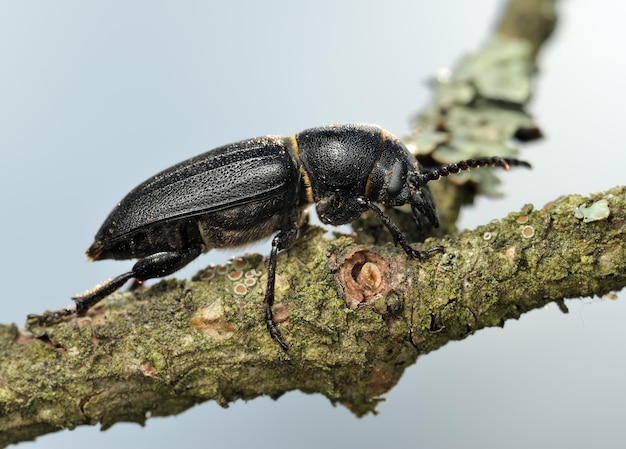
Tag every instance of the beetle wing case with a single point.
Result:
(166, 211)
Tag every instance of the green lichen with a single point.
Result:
(597, 211)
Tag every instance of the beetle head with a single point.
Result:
(395, 181)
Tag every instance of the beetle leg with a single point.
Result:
(84, 301)
(396, 233)
(161, 264)
(150, 267)
(153, 266)
(95, 295)
(52, 317)
(282, 240)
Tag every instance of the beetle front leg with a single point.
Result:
(396, 233)
(282, 240)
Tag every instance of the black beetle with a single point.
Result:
(246, 191)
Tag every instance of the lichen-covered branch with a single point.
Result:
(478, 108)
(355, 317)
(355, 310)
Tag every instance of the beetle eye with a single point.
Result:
(397, 179)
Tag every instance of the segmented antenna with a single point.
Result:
(447, 170)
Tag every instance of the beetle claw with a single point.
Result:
(423, 255)
(275, 334)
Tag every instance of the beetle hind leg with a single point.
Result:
(161, 264)
(86, 300)
(153, 266)
(150, 267)
(83, 301)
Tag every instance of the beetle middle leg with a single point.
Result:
(282, 240)
(396, 233)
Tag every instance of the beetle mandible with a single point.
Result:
(249, 190)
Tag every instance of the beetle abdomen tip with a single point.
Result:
(95, 250)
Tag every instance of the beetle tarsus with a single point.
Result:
(52, 317)
(423, 255)
(273, 330)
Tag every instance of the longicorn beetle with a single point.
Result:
(245, 191)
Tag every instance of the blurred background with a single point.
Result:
(97, 96)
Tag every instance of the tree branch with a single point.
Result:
(355, 310)
(355, 317)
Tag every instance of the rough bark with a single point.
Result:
(355, 316)
(354, 309)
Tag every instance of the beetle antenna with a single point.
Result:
(422, 179)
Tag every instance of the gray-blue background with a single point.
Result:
(97, 96)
